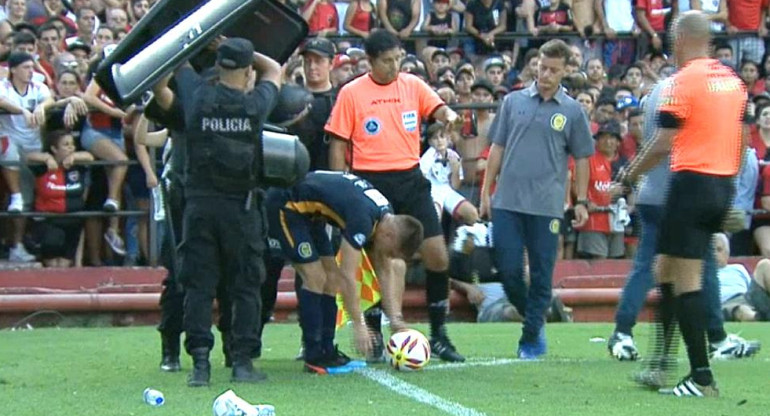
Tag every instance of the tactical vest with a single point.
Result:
(224, 148)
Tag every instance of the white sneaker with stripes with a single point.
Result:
(733, 347)
(689, 388)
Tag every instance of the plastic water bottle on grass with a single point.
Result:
(153, 397)
(265, 410)
(229, 404)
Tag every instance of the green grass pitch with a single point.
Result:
(103, 371)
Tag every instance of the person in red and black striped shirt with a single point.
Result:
(59, 187)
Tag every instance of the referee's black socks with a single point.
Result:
(691, 311)
(665, 342)
(437, 291)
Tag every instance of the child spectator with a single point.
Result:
(321, 17)
(598, 239)
(360, 18)
(441, 22)
(59, 187)
(442, 167)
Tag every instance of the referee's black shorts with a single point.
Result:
(695, 209)
(409, 194)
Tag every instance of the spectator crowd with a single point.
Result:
(55, 117)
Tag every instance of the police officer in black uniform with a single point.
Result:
(172, 296)
(223, 233)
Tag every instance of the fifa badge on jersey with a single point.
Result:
(409, 119)
(372, 126)
(558, 121)
(554, 226)
(305, 250)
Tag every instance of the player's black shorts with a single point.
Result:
(302, 239)
(695, 209)
(409, 194)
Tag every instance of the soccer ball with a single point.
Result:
(624, 349)
(408, 350)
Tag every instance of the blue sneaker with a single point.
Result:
(533, 350)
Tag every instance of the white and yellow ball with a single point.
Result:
(408, 350)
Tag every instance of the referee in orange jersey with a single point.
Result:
(700, 120)
(376, 123)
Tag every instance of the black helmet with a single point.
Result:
(293, 100)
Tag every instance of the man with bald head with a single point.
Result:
(700, 126)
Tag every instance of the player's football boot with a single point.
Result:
(689, 388)
(377, 355)
(655, 372)
(733, 347)
(622, 347)
(442, 347)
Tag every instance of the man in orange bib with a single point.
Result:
(700, 120)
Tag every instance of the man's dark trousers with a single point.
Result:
(511, 233)
(222, 240)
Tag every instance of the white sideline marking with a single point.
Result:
(418, 394)
(493, 362)
(485, 363)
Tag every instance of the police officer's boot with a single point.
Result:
(170, 353)
(201, 368)
(244, 371)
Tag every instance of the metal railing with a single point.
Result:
(151, 225)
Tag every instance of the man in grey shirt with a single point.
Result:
(536, 129)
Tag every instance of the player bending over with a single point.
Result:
(297, 219)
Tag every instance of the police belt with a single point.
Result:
(250, 199)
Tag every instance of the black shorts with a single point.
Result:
(409, 194)
(60, 238)
(302, 239)
(695, 209)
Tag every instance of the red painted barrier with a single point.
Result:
(591, 288)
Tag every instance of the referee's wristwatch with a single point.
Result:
(583, 202)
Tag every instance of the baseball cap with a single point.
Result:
(79, 45)
(340, 60)
(610, 127)
(355, 53)
(443, 70)
(761, 96)
(439, 51)
(494, 61)
(18, 58)
(626, 102)
(456, 50)
(319, 46)
(234, 53)
(465, 70)
(485, 84)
